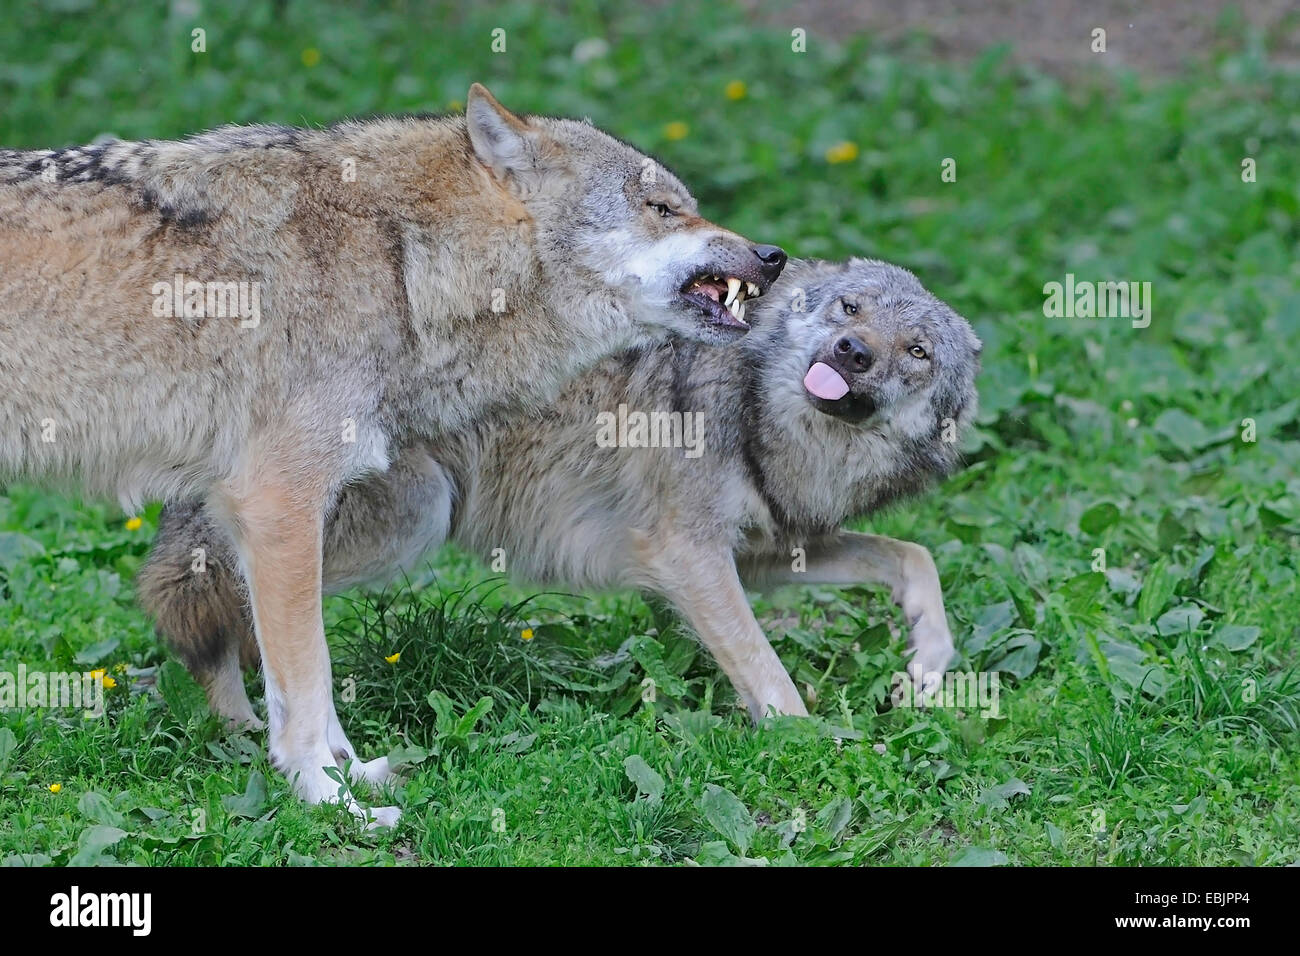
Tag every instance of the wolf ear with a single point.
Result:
(502, 141)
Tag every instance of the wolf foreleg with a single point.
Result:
(706, 590)
(849, 558)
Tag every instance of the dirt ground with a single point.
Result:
(1148, 36)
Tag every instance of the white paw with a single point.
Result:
(310, 780)
(370, 771)
(932, 652)
(782, 700)
(377, 818)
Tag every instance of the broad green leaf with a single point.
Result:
(717, 853)
(93, 842)
(467, 723)
(15, 548)
(98, 809)
(644, 776)
(1180, 620)
(1159, 586)
(833, 818)
(1000, 796)
(1099, 517)
(1235, 637)
(96, 652)
(979, 856)
(251, 802)
(728, 816)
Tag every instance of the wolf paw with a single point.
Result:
(378, 818)
(933, 653)
(249, 724)
(370, 771)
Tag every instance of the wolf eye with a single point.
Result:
(663, 209)
(850, 308)
(917, 352)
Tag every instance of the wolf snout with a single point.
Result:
(852, 354)
(772, 259)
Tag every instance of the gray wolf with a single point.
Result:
(257, 316)
(851, 392)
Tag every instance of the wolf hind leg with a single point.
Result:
(386, 522)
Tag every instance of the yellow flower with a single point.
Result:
(736, 90)
(310, 56)
(109, 683)
(394, 658)
(526, 634)
(55, 787)
(676, 130)
(133, 524)
(98, 673)
(844, 152)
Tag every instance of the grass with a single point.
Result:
(1148, 711)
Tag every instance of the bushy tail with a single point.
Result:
(191, 586)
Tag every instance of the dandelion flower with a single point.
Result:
(526, 634)
(55, 787)
(844, 152)
(676, 130)
(736, 90)
(394, 658)
(133, 524)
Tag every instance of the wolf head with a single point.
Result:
(616, 216)
(871, 375)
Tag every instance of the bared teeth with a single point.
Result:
(753, 290)
(733, 290)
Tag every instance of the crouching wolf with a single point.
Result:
(852, 390)
(256, 316)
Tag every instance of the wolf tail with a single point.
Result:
(192, 588)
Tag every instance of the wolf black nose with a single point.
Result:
(773, 259)
(854, 350)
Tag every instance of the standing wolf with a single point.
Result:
(851, 391)
(255, 317)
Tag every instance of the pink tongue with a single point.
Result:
(824, 382)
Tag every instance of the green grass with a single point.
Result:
(1148, 714)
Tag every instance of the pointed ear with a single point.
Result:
(502, 141)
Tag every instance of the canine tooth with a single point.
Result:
(733, 287)
(752, 290)
(740, 310)
(734, 309)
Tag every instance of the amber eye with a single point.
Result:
(917, 352)
(663, 209)
(850, 308)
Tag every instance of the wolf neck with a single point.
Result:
(762, 430)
